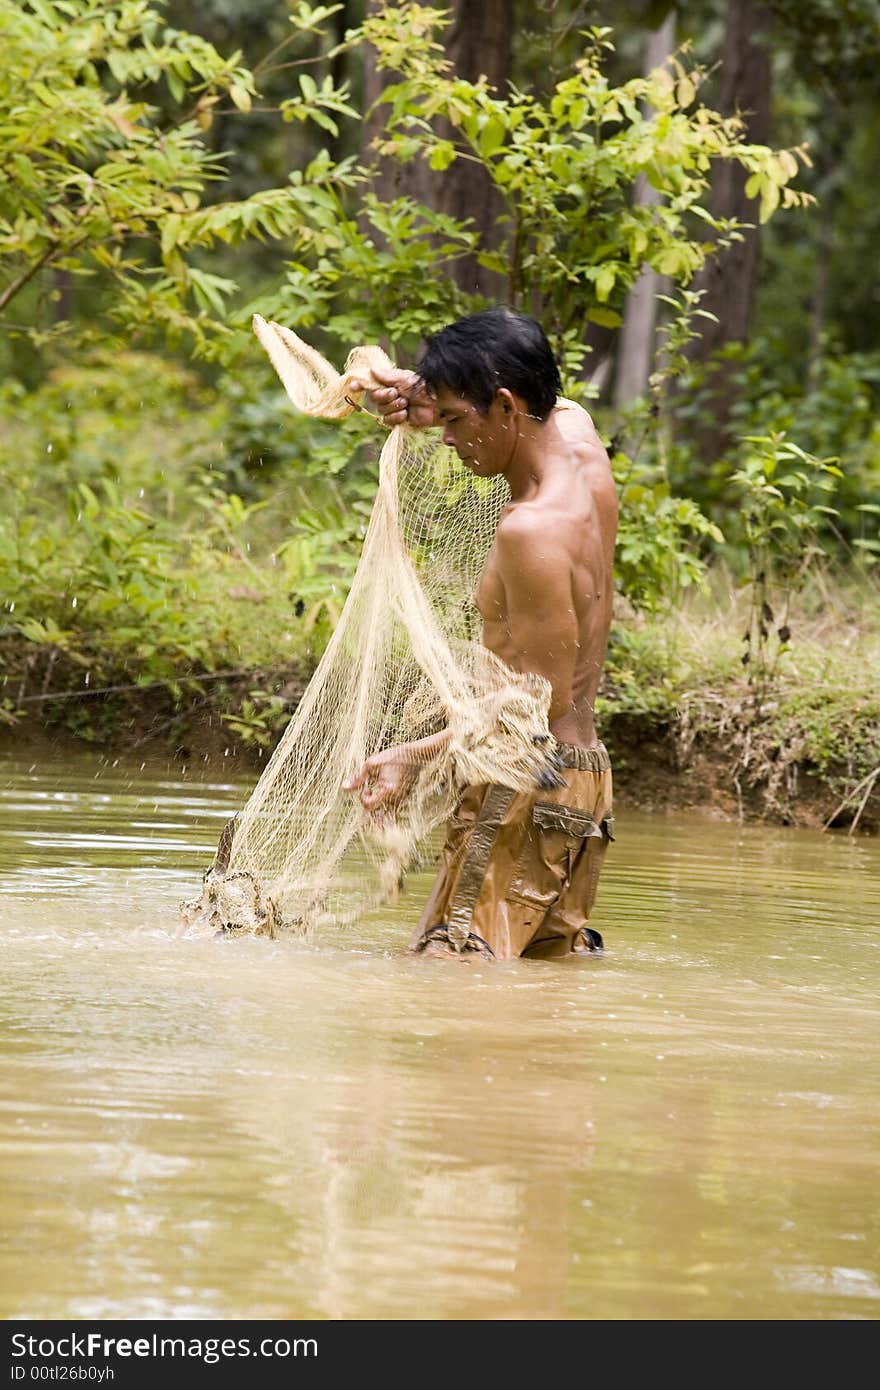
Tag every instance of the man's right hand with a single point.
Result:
(383, 783)
(401, 399)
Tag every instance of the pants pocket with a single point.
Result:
(554, 840)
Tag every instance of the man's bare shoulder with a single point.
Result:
(526, 525)
(574, 410)
(577, 426)
(520, 520)
(537, 536)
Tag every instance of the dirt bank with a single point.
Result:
(659, 766)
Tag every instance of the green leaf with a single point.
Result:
(605, 282)
(769, 200)
(175, 85)
(442, 155)
(685, 91)
(608, 318)
(492, 136)
(170, 230)
(493, 260)
(241, 96)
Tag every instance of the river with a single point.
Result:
(685, 1128)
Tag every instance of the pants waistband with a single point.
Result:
(584, 759)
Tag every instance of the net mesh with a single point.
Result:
(404, 662)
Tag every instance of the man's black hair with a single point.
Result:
(478, 355)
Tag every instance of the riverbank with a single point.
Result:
(659, 767)
(794, 741)
(786, 732)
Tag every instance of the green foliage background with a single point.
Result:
(168, 517)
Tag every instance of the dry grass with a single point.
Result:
(807, 709)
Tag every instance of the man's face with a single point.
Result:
(484, 443)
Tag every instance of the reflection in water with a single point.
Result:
(685, 1128)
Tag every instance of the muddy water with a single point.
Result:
(687, 1128)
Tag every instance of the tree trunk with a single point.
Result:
(390, 179)
(637, 337)
(729, 278)
(477, 42)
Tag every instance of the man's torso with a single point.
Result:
(574, 510)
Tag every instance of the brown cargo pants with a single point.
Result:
(520, 870)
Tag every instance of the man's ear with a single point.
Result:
(506, 401)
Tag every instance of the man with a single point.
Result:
(520, 870)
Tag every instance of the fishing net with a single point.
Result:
(404, 663)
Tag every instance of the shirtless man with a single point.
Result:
(520, 869)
